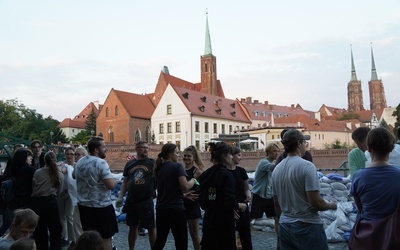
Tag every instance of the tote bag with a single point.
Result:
(383, 234)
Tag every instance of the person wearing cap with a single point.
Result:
(307, 155)
(297, 200)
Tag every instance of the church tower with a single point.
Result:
(377, 98)
(208, 67)
(354, 91)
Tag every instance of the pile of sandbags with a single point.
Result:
(335, 187)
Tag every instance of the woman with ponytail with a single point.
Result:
(217, 198)
(171, 182)
(47, 182)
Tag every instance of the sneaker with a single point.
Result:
(142, 231)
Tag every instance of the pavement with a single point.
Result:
(262, 240)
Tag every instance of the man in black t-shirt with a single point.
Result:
(139, 182)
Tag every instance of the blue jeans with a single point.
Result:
(302, 236)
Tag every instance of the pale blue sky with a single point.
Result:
(57, 56)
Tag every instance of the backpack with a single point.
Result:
(7, 190)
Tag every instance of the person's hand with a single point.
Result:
(118, 202)
(197, 173)
(191, 196)
(242, 207)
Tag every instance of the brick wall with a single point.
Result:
(323, 159)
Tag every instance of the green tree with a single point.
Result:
(348, 116)
(396, 114)
(90, 123)
(19, 121)
(81, 138)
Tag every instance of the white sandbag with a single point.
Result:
(340, 193)
(346, 180)
(331, 234)
(325, 191)
(264, 222)
(326, 180)
(338, 186)
(324, 185)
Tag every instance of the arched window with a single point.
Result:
(107, 112)
(148, 134)
(110, 134)
(116, 110)
(138, 136)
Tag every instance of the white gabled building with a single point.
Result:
(188, 117)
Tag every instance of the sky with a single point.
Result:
(58, 56)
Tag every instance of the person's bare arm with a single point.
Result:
(110, 183)
(185, 185)
(317, 202)
(278, 209)
(247, 190)
(122, 190)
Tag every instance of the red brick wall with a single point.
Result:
(123, 125)
(323, 159)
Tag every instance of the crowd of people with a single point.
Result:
(51, 205)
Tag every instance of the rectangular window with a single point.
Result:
(197, 144)
(230, 129)
(196, 126)
(161, 128)
(169, 127)
(178, 144)
(169, 109)
(215, 130)
(178, 126)
(206, 127)
(223, 129)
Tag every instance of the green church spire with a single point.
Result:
(353, 68)
(374, 76)
(207, 48)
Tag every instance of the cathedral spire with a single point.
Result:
(207, 48)
(374, 76)
(353, 68)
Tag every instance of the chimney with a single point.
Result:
(242, 100)
(248, 99)
(255, 101)
(96, 104)
(292, 106)
(266, 103)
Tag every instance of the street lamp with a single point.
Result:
(51, 137)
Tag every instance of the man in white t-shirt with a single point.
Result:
(295, 186)
(94, 183)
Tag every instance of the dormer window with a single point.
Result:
(203, 98)
(233, 113)
(218, 111)
(233, 105)
(185, 95)
(256, 113)
(201, 108)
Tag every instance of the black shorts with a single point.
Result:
(260, 205)
(100, 219)
(141, 213)
(192, 211)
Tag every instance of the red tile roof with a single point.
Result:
(68, 123)
(213, 106)
(139, 106)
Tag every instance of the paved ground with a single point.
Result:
(261, 241)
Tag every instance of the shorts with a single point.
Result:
(260, 205)
(300, 235)
(141, 213)
(192, 211)
(100, 219)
